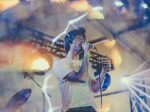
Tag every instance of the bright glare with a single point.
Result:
(96, 15)
(105, 108)
(116, 57)
(40, 64)
(58, 1)
(5, 4)
(125, 80)
(71, 23)
(81, 6)
(118, 3)
(110, 43)
(144, 5)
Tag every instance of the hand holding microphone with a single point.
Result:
(86, 46)
(91, 46)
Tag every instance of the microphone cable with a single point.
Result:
(100, 90)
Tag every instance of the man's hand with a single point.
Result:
(104, 69)
(95, 84)
(85, 47)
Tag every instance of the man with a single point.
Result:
(77, 81)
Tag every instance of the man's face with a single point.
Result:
(77, 43)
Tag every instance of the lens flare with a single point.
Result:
(5, 4)
(137, 96)
(116, 57)
(110, 43)
(40, 64)
(125, 80)
(72, 22)
(22, 56)
(105, 108)
(118, 3)
(58, 1)
(80, 6)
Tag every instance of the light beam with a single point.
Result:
(118, 3)
(143, 73)
(44, 88)
(125, 80)
(134, 103)
(140, 91)
(142, 102)
(141, 85)
(71, 22)
(139, 79)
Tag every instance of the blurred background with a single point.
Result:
(119, 29)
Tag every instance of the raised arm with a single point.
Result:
(76, 76)
(95, 84)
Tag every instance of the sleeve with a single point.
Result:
(62, 68)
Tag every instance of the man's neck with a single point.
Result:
(72, 55)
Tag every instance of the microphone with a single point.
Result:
(91, 46)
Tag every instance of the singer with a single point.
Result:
(77, 81)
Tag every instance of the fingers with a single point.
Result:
(104, 68)
(85, 46)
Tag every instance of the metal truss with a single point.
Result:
(135, 104)
(42, 40)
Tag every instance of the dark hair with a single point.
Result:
(71, 36)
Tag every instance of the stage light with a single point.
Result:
(22, 56)
(144, 5)
(58, 1)
(110, 43)
(145, 73)
(40, 64)
(116, 57)
(141, 85)
(71, 23)
(140, 91)
(100, 8)
(125, 80)
(145, 17)
(104, 108)
(5, 4)
(80, 6)
(118, 3)
(41, 61)
(96, 13)
(139, 98)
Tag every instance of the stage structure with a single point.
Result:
(42, 40)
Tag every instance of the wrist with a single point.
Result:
(97, 77)
(85, 52)
(87, 55)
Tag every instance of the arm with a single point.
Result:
(95, 84)
(75, 76)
